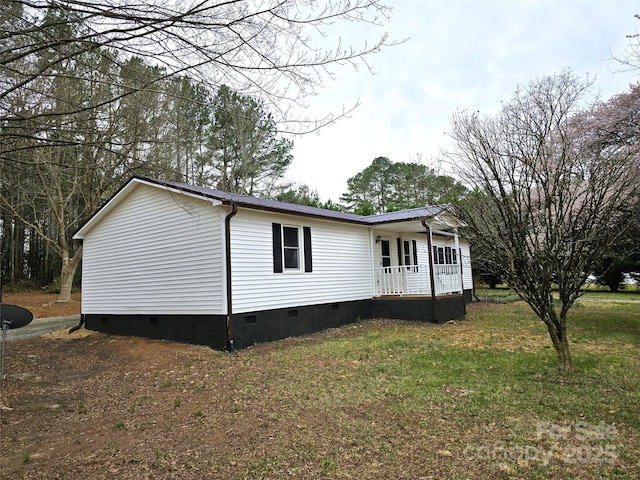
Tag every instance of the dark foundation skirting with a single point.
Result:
(268, 325)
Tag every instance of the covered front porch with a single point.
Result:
(418, 257)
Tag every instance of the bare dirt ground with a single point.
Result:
(42, 304)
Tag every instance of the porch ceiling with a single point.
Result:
(401, 227)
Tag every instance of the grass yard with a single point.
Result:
(378, 399)
(505, 294)
(626, 294)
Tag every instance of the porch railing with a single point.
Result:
(414, 280)
(448, 278)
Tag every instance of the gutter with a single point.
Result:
(227, 242)
(434, 310)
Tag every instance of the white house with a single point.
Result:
(169, 260)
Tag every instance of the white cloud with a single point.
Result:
(463, 54)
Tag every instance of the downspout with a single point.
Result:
(227, 241)
(434, 310)
(456, 239)
(79, 326)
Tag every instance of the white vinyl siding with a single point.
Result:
(422, 249)
(467, 277)
(467, 280)
(341, 264)
(155, 253)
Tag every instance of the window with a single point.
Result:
(410, 254)
(407, 252)
(291, 242)
(447, 255)
(287, 252)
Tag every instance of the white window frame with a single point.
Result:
(299, 248)
(412, 252)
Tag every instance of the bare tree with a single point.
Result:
(276, 50)
(553, 192)
(56, 182)
(629, 58)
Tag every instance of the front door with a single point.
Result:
(385, 245)
(387, 281)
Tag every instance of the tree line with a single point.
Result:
(63, 166)
(385, 186)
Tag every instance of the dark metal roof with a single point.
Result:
(284, 207)
(411, 214)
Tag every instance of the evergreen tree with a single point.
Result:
(385, 186)
(248, 156)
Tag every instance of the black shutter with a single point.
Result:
(306, 234)
(277, 247)
(415, 252)
(399, 251)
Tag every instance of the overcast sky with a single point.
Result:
(459, 55)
